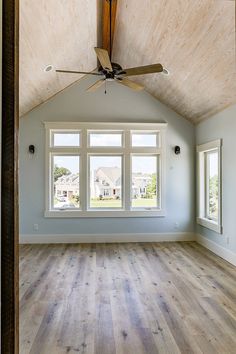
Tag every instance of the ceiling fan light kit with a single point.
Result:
(110, 71)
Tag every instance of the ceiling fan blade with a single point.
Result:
(77, 72)
(95, 86)
(133, 85)
(104, 59)
(141, 70)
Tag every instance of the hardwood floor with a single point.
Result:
(126, 298)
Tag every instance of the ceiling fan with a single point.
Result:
(109, 71)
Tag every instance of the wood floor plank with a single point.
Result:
(104, 333)
(132, 298)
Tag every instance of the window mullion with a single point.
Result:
(64, 150)
(83, 180)
(206, 185)
(127, 171)
(146, 150)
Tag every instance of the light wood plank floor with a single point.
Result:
(126, 299)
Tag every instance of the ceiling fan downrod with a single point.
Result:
(110, 36)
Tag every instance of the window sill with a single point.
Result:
(103, 213)
(210, 224)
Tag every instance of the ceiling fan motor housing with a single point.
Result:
(116, 69)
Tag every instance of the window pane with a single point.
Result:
(146, 140)
(66, 139)
(105, 139)
(105, 182)
(144, 181)
(213, 191)
(66, 182)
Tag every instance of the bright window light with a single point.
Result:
(144, 181)
(105, 139)
(66, 139)
(65, 180)
(145, 140)
(105, 181)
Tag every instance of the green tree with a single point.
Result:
(60, 171)
(213, 195)
(152, 186)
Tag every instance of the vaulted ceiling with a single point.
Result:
(61, 33)
(193, 39)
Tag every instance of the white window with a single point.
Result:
(106, 185)
(65, 138)
(209, 185)
(105, 169)
(145, 139)
(65, 181)
(102, 139)
(145, 181)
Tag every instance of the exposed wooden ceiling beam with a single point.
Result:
(106, 24)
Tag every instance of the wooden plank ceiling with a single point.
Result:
(57, 32)
(193, 39)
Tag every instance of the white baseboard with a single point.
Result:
(217, 249)
(131, 237)
(109, 238)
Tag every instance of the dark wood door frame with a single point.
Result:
(9, 176)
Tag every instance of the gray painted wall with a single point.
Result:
(223, 125)
(120, 104)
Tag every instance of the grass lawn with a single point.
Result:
(114, 203)
(146, 203)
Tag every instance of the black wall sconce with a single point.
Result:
(31, 149)
(177, 150)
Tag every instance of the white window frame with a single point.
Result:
(84, 150)
(203, 218)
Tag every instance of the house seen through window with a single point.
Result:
(92, 170)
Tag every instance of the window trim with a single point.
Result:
(202, 218)
(85, 150)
